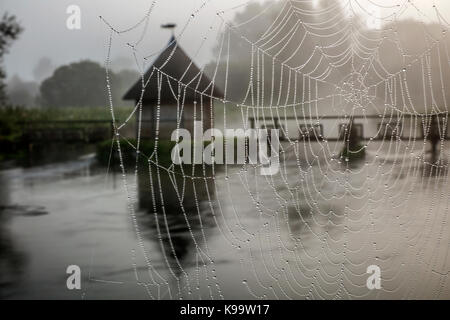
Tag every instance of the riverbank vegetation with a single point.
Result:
(107, 153)
(15, 123)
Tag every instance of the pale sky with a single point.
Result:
(46, 34)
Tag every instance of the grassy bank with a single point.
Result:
(129, 153)
(147, 149)
(19, 114)
(12, 119)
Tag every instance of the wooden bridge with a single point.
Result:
(369, 127)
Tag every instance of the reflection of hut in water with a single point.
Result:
(176, 87)
(178, 214)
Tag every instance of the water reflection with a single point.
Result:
(178, 214)
(12, 260)
(437, 169)
(313, 229)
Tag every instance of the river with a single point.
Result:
(309, 232)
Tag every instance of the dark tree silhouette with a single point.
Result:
(9, 31)
(83, 84)
(79, 84)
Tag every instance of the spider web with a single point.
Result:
(310, 231)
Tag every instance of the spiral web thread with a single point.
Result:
(311, 230)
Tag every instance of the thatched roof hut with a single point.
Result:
(174, 83)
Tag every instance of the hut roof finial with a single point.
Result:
(170, 26)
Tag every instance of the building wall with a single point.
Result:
(168, 119)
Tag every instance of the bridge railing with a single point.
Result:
(373, 127)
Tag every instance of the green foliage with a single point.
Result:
(9, 137)
(147, 147)
(129, 154)
(19, 114)
(12, 118)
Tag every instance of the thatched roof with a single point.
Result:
(177, 65)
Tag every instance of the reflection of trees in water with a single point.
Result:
(437, 169)
(11, 260)
(307, 221)
(435, 131)
(179, 213)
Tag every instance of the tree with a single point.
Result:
(79, 84)
(83, 84)
(9, 31)
(22, 93)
